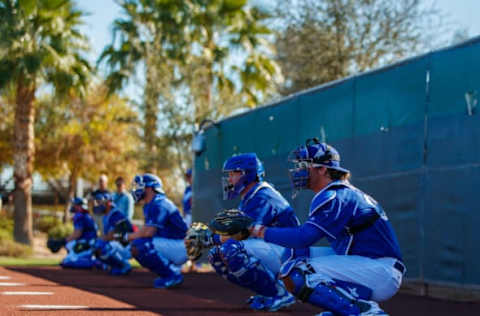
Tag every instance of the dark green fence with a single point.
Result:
(410, 134)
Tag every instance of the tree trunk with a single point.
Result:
(151, 111)
(72, 185)
(23, 156)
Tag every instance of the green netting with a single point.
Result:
(454, 76)
(408, 137)
(326, 113)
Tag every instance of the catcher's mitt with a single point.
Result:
(231, 222)
(198, 238)
(55, 244)
(122, 228)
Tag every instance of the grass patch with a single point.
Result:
(38, 262)
(28, 262)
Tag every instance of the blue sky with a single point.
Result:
(463, 14)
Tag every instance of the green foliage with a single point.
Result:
(202, 59)
(60, 231)
(6, 225)
(46, 223)
(39, 44)
(8, 247)
(85, 137)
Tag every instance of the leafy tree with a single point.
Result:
(40, 43)
(230, 55)
(85, 137)
(146, 37)
(320, 41)
(194, 52)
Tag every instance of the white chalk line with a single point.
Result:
(33, 306)
(26, 293)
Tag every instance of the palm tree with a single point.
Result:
(150, 35)
(40, 46)
(186, 47)
(226, 30)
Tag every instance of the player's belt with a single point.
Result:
(399, 266)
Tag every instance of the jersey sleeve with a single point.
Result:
(261, 211)
(296, 237)
(155, 215)
(329, 217)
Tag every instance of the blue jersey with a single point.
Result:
(353, 222)
(111, 219)
(268, 207)
(161, 213)
(187, 201)
(84, 222)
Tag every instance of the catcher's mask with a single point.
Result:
(313, 154)
(78, 204)
(147, 180)
(251, 169)
(100, 202)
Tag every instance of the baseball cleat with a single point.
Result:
(273, 304)
(373, 309)
(164, 283)
(256, 302)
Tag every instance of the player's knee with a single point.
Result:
(231, 250)
(214, 256)
(296, 284)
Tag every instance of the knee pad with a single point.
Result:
(149, 258)
(215, 260)
(233, 254)
(296, 284)
(246, 270)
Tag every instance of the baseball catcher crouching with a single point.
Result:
(250, 262)
(111, 251)
(80, 243)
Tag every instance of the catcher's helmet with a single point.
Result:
(312, 154)
(79, 202)
(100, 200)
(249, 165)
(147, 180)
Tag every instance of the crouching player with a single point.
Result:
(158, 245)
(112, 254)
(363, 264)
(80, 243)
(254, 263)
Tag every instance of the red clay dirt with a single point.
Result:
(200, 294)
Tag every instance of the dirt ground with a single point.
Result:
(95, 293)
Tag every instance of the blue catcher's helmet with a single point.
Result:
(251, 168)
(147, 180)
(312, 154)
(79, 202)
(188, 173)
(100, 200)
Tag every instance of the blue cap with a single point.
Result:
(320, 154)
